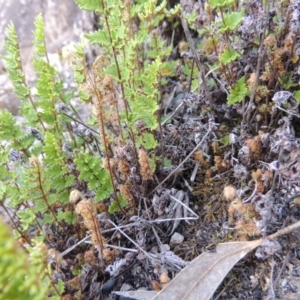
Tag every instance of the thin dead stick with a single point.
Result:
(288, 112)
(76, 120)
(191, 43)
(174, 112)
(181, 203)
(252, 195)
(196, 59)
(173, 219)
(131, 240)
(179, 166)
(284, 231)
(74, 246)
(193, 176)
(255, 85)
(274, 284)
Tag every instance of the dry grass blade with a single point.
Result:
(201, 278)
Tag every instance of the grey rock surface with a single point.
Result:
(64, 22)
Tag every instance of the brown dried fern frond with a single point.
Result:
(126, 193)
(255, 146)
(87, 210)
(124, 169)
(145, 167)
(199, 156)
(98, 66)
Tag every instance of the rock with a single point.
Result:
(126, 287)
(64, 22)
(176, 238)
(164, 248)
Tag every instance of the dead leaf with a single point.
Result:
(200, 279)
(137, 295)
(203, 275)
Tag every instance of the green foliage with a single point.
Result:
(191, 18)
(91, 5)
(225, 140)
(8, 127)
(114, 207)
(20, 279)
(144, 104)
(220, 3)
(228, 56)
(39, 37)
(148, 141)
(239, 92)
(56, 162)
(91, 172)
(124, 67)
(13, 62)
(297, 96)
(231, 21)
(47, 180)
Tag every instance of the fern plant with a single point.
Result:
(124, 82)
(53, 152)
(40, 149)
(21, 277)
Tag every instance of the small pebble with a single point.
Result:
(126, 287)
(164, 248)
(176, 238)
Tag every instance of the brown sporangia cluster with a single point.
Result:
(145, 166)
(126, 193)
(241, 215)
(254, 146)
(86, 209)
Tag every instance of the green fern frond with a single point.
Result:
(145, 105)
(56, 164)
(9, 130)
(99, 37)
(90, 5)
(19, 279)
(13, 62)
(39, 36)
(96, 177)
(78, 66)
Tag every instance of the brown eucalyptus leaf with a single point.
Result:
(200, 279)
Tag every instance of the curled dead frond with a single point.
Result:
(198, 155)
(109, 255)
(105, 164)
(124, 169)
(145, 167)
(257, 176)
(126, 193)
(254, 146)
(75, 196)
(86, 209)
(98, 66)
